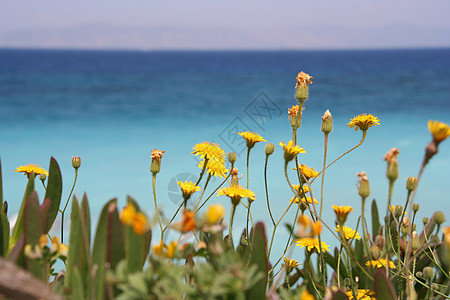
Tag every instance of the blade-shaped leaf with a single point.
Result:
(54, 191)
(4, 234)
(375, 220)
(115, 234)
(18, 227)
(33, 230)
(135, 245)
(382, 286)
(259, 258)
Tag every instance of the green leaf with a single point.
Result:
(76, 285)
(4, 234)
(135, 247)
(339, 295)
(259, 258)
(115, 251)
(18, 227)
(375, 220)
(76, 256)
(86, 218)
(44, 213)
(382, 286)
(99, 250)
(54, 191)
(33, 231)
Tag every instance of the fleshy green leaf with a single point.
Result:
(115, 244)
(54, 191)
(18, 227)
(33, 230)
(135, 245)
(4, 234)
(259, 258)
(375, 220)
(382, 286)
(76, 285)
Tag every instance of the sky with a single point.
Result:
(232, 24)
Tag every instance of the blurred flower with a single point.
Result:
(342, 212)
(158, 249)
(43, 240)
(251, 138)
(303, 220)
(305, 199)
(363, 294)
(363, 185)
(316, 228)
(439, 130)
(305, 295)
(290, 264)
(63, 249)
(188, 222)
(188, 188)
(127, 215)
(311, 244)
(214, 213)
(214, 167)
(381, 263)
(291, 150)
(210, 151)
(447, 235)
(348, 232)
(392, 168)
(363, 122)
(31, 168)
(171, 249)
(236, 193)
(303, 79)
(140, 223)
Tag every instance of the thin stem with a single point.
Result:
(203, 192)
(156, 204)
(225, 180)
(325, 149)
(203, 171)
(65, 206)
(44, 185)
(275, 228)
(267, 190)
(345, 153)
(230, 229)
(338, 268)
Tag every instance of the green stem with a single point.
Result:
(203, 192)
(156, 204)
(323, 175)
(275, 228)
(65, 206)
(230, 229)
(267, 190)
(225, 180)
(203, 171)
(345, 153)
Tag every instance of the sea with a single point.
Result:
(112, 108)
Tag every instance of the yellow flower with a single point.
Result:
(210, 151)
(214, 167)
(157, 154)
(171, 249)
(303, 79)
(291, 150)
(316, 228)
(342, 212)
(446, 231)
(381, 263)
(236, 193)
(306, 199)
(140, 223)
(305, 295)
(158, 249)
(439, 130)
(63, 249)
(290, 264)
(363, 294)
(302, 194)
(31, 168)
(43, 240)
(348, 232)
(188, 188)
(215, 213)
(311, 244)
(251, 138)
(303, 220)
(293, 111)
(128, 214)
(308, 172)
(363, 122)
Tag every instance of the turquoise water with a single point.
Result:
(113, 108)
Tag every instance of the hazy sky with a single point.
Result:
(250, 24)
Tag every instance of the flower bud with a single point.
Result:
(363, 188)
(302, 93)
(327, 122)
(398, 211)
(405, 221)
(156, 156)
(234, 177)
(303, 206)
(76, 162)
(425, 221)
(375, 252)
(42, 177)
(232, 157)
(415, 207)
(379, 241)
(415, 241)
(428, 273)
(419, 275)
(411, 183)
(405, 229)
(269, 149)
(347, 283)
(439, 217)
(392, 167)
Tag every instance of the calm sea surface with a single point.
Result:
(112, 108)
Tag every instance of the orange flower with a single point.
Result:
(188, 222)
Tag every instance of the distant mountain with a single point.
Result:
(104, 36)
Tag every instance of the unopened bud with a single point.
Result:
(405, 229)
(375, 252)
(303, 206)
(405, 221)
(155, 166)
(269, 149)
(76, 162)
(428, 273)
(379, 241)
(363, 188)
(415, 241)
(327, 122)
(425, 220)
(392, 167)
(302, 92)
(415, 207)
(411, 183)
(398, 211)
(232, 157)
(347, 282)
(42, 177)
(419, 274)
(439, 217)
